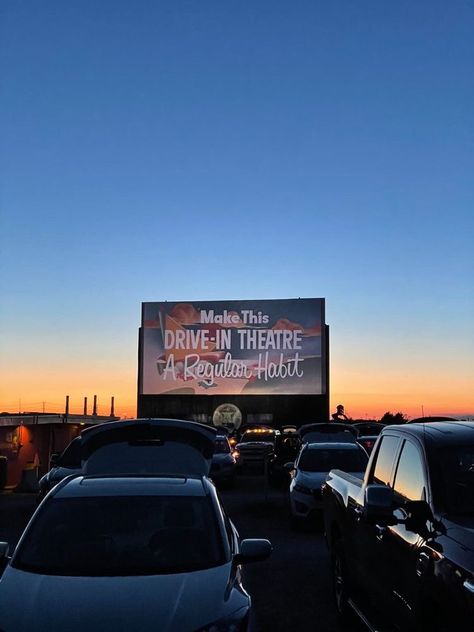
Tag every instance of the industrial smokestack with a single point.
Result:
(85, 406)
(112, 401)
(66, 411)
(94, 412)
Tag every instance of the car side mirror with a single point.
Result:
(378, 505)
(4, 548)
(419, 516)
(289, 466)
(253, 550)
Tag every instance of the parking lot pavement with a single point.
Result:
(291, 591)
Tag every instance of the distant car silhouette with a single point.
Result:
(368, 433)
(429, 420)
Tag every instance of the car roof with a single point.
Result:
(86, 486)
(328, 431)
(442, 433)
(427, 420)
(333, 445)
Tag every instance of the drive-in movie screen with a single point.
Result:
(247, 347)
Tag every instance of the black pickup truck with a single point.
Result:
(402, 540)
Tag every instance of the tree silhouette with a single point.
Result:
(397, 418)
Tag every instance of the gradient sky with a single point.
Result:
(208, 150)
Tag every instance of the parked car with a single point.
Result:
(287, 446)
(402, 540)
(310, 470)
(62, 465)
(224, 462)
(256, 446)
(138, 541)
(368, 431)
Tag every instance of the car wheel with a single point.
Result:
(340, 580)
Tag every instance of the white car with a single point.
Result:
(138, 541)
(309, 471)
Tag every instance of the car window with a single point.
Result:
(385, 457)
(369, 430)
(410, 479)
(325, 460)
(222, 446)
(457, 468)
(122, 535)
(71, 457)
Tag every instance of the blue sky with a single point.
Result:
(228, 150)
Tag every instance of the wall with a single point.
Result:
(285, 409)
(27, 446)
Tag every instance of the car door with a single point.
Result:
(402, 546)
(371, 572)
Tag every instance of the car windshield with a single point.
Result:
(369, 430)
(222, 447)
(325, 460)
(457, 465)
(122, 535)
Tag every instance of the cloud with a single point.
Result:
(284, 323)
(185, 313)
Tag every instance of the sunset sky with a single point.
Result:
(224, 150)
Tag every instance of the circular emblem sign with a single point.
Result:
(227, 416)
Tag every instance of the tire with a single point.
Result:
(339, 578)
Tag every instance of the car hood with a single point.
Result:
(314, 480)
(222, 458)
(169, 603)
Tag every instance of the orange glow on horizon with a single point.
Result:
(357, 405)
(407, 393)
